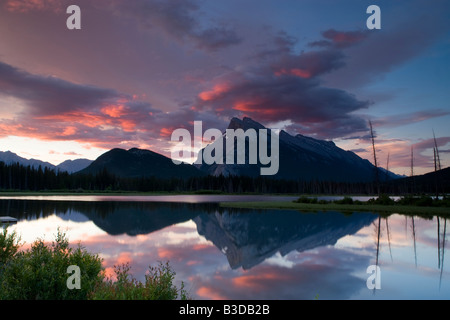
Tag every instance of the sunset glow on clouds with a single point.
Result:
(137, 70)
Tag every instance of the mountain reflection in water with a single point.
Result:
(255, 254)
(246, 237)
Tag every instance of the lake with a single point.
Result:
(225, 253)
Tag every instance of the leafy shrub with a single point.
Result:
(345, 200)
(406, 200)
(41, 272)
(444, 202)
(9, 245)
(424, 201)
(385, 200)
(304, 199)
(158, 285)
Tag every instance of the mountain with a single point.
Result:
(9, 157)
(300, 157)
(427, 183)
(140, 163)
(72, 166)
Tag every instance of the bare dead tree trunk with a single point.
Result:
(377, 180)
(437, 152)
(435, 173)
(437, 164)
(413, 182)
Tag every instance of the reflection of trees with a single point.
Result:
(414, 239)
(35, 209)
(441, 247)
(389, 237)
(410, 224)
(378, 236)
(114, 217)
(377, 255)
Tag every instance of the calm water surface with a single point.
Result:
(249, 254)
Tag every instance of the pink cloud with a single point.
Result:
(33, 5)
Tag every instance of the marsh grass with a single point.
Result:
(422, 205)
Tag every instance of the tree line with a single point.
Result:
(17, 177)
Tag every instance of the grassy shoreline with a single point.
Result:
(281, 205)
(348, 208)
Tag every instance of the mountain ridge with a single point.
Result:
(300, 157)
(69, 166)
(136, 162)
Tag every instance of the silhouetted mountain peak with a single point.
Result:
(72, 166)
(301, 157)
(9, 157)
(244, 124)
(140, 163)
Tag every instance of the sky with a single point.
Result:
(137, 70)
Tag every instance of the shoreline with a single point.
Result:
(346, 208)
(427, 211)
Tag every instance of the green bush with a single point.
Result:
(40, 273)
(424, 201)
(9, 246)
(158, 285)
(345, 200)
(385, 200)
(406, 200)
(444, 203)
(304, 199)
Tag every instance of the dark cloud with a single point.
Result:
(333, 128)
(394, 121)
(180, 19)
(47, 95)
(309, 64)
(282, 85)
(56, 109)
(275, 45)
(340, 39)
